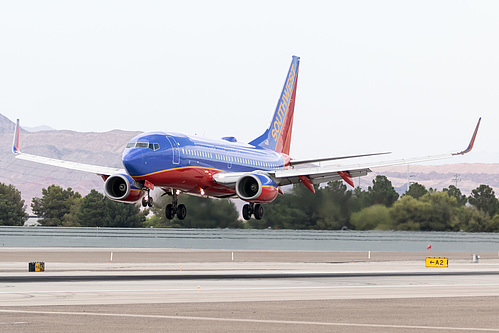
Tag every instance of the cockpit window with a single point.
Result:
(152, 146)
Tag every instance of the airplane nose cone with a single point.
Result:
(133, 162)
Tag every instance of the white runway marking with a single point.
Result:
(194, 288)
(258, 321)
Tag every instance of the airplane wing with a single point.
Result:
(320, 174)
(315, 175)
(298, 162)
(96, 169)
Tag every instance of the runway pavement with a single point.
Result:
(82, 290)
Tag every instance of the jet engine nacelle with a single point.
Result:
(119, 187)
(256, 187)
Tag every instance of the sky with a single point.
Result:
(409, 77)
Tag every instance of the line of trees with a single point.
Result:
(64, 207)
(332, 207)
(380, 208)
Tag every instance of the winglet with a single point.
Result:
(15, 143)
(472, 142)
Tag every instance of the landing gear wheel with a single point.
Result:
(181, 212)
(169, 212)
(149, 202)
(174, 209)
(246, 212)
(258, 211)
(144, 202)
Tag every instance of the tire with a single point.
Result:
(144, 202)
(181, 212)
(169, 212)
(258, 212)
(246, 212)
(149, 202)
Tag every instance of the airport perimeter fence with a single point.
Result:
(249, 239)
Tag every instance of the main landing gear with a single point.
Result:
(174, 209)
(252, 209)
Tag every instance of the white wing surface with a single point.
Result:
(100, 170)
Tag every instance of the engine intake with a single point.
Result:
(255, 187)
(120, 187)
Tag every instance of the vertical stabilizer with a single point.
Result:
(278, 136)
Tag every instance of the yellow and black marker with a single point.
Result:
(36, 266)
(437, 262)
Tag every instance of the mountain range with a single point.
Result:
(105, 148)
(94, 148)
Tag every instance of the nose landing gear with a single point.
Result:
(147, 200)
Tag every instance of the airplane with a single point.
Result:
(224, 168)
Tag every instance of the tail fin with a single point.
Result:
(15, 143)
(278, 136)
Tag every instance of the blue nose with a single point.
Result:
(133, 161)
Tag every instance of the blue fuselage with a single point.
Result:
(177, 161)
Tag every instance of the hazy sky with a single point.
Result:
(411, 77)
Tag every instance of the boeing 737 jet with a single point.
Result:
(225, 168)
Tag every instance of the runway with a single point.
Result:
(250, 295)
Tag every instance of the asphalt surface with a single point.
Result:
(293, 292)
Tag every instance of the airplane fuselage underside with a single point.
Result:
(193, 180)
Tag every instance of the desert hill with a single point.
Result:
(93, 148)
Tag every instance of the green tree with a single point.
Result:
(92, 210)
(483, 198)
(360, 199)
(98, 211)
(123, 215)
(328, 208)
(443, 214)
(409, 213)
(494, 224)
(280, 214)
(382, 192)
(71, 219)
(12, 209)
(374, 217)
(474, 220)
(201, 213)
(416, 190)
(456, 193)
(55, 205)
(335, 207)
(295, 210)
(432, 212)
